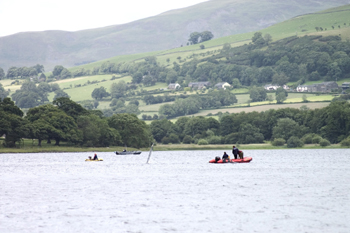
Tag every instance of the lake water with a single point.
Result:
(179, 191)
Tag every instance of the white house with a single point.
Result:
(173, 86)
(273, 87)
(222, 85)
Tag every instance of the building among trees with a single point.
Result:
(319, 87)
(199, 85)
(274, 87)
(222, 85)
(173, 86)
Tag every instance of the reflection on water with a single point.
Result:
(179, 191)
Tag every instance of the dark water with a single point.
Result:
(279, 191)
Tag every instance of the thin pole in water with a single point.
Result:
(150, 152)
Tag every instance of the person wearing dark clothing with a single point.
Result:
(225, 157)
(95, 157)
(235, 151)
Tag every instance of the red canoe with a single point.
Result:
(244, 160)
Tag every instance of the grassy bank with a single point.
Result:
(169, 147)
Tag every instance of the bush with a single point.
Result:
(294, 141)
(316, 139)
(173, 138)
(324, 142)
(165, 140)
(214, 140)
(278, 142)
(202, 142)
(307, 139)
(345, 142)
(187, 139)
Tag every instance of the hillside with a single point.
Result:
(168, 30)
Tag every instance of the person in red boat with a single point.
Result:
(225, 157)
(235, 151)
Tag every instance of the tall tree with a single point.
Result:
(99, 93)
(3, 92)
(11, 123)
(194, 37)
(206, 35)
(133, 132)
(53, 123)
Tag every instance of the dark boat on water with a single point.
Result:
(127, 152)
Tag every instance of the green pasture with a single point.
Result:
(84, 92)
(152, 107)
(260, 108)
(301, 25)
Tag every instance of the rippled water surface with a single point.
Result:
(179, 191)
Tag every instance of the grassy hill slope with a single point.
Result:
(300, 25)
(168, 30)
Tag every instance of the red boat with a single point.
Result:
(244, 160)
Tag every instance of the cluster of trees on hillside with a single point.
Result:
(22, 72)
(198, 37)
(66, 121)
(293, 59)
(262, 61)
(30, 95)
(292, 126)
(192, 104)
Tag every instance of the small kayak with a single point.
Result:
(244, 160)
(96, 160)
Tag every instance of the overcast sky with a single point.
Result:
(73, 15)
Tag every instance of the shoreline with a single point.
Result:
(169, 147)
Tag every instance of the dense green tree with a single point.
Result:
(137, 77)
(70, 107)
(196, 125)
(57, 124)
(96, 131)
(28, 96)
(206, 35)
(267, 38)
(280, 79)
(99, 93)
(12, 72)
(3, 92)
(39, 68)
(257, 94)
(286, 128)
(194, 37)
(250, 134)
(294, 141)
(335, 121)
(2, 73)
(11, 123)
(281, 97)
(334, 72)
(57, 70)
(118, 89)
(258, 39)
(133, 132)
(60, 93)
(161, 128)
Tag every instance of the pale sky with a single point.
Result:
(73, 15)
